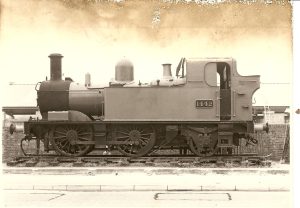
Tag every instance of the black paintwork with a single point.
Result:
(53, 96)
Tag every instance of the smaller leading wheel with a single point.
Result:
(72, 140)
(137, 140)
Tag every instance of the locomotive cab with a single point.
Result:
(230, 93)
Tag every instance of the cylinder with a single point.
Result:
(55, 66)
(167, 72)
(87, 79)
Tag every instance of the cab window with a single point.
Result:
(218, 74)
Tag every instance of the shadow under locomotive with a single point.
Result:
(206, 109)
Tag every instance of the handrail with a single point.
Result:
(37, 84)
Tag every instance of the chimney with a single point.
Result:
(167, 73)
(55, 66)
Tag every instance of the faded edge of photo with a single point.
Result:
(96, 34)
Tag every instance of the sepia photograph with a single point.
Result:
(136, 103)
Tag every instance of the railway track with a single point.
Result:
(158, 161)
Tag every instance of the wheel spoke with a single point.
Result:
(142, 141)
(83, 138)
(125, 137)
(83, 134)
(149, 134)
(64, 145)
(62, 140)
(63, 133)
(143, 138)
(59, 137)
(123, 133)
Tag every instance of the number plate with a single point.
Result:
(204, 103)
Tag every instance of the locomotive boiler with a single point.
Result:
(205, 108)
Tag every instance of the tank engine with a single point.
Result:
(206, 108)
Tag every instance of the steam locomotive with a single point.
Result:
(206, 109)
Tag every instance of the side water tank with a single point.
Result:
(124, 71)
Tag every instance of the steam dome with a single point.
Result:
(124, 71)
